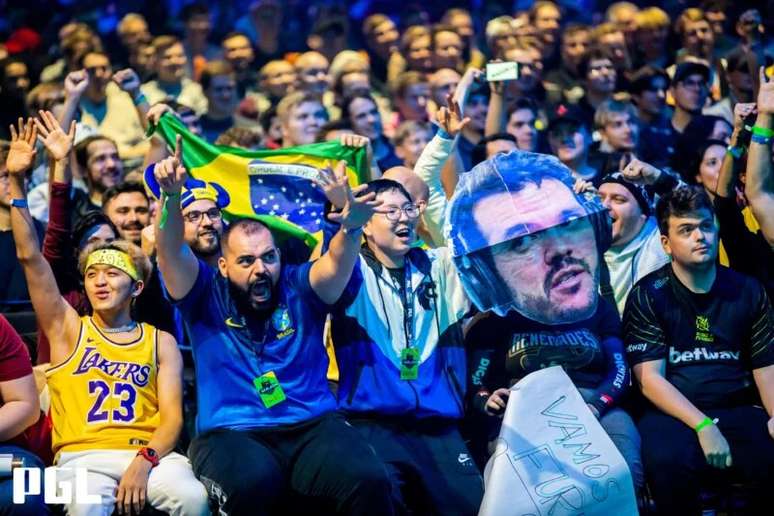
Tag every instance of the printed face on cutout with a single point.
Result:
(551, 272)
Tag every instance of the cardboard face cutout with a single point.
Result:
(522, 239)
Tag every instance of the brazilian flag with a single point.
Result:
(277, 187)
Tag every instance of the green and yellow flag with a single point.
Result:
(278, 187)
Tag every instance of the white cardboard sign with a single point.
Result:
(553, 457)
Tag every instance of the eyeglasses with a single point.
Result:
(393, 212)
(195, 216)
(699, 85)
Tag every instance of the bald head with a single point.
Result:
(312, 72)
(410, 181)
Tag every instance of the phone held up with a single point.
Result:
(503, 71)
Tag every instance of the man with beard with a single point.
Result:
(97, 157)
(238, 51)
(532, 256)
(267, 422)
(128, 208)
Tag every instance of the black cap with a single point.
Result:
(565, 114)
(638, 192)
(684, 70)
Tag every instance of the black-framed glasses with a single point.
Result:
(393, 212)
(195, 216)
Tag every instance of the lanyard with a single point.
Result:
(408, 308)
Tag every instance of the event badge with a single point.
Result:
(269, 389)
(409, 363)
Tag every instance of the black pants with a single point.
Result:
(430, 467)
(675, 466)
(324, 461)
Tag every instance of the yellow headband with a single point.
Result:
(114, 258)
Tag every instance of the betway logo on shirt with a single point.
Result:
(678, 357)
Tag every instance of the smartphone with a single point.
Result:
(505, 71)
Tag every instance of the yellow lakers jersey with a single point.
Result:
(104, 395)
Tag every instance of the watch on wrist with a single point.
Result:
(150, 455)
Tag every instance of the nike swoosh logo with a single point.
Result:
(233, 324)
(463, 460)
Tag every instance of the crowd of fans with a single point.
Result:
(194, 365)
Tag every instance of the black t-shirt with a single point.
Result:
(711, 342)
(508, 348)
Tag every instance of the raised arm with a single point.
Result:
(74, 85)
(728, 170)
(128, 81)
(330, 274)
(177, 263)
(58, 320)
(57, 242)
(431, 163)
(496, 114)
(759, 182)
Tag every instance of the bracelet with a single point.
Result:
(19, 203)
(762, 140)
(735, 151)
(762, 131)
(704, 423)
(139, 99)
(165, 197)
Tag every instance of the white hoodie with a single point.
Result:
(635, 260)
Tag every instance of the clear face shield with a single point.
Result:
(522, 240)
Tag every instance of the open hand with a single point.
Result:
(22, 151)
(356, 209)
(450, 117)
(170, 172)
(335, 185)
(76, 83)
(57, 142)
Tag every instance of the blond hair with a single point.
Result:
(291, 100)
(652, 18)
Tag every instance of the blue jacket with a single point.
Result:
(369, 334)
